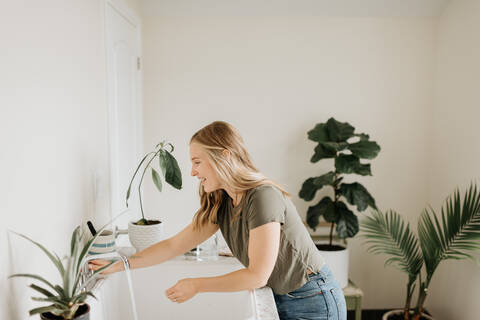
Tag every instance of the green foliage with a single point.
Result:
(455, 236)
(169, 169)
(67, 297)
(334, 142)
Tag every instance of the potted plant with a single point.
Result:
(334, 140)
(454, 237)
(143, 233)
(68, 299)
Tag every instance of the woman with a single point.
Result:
(260, 225)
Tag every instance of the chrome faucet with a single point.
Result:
(86, 273)
(90, 283)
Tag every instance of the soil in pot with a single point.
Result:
(400, 317)
(145, 222)
(327, 247)
(83, 313)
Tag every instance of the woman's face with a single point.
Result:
(202, 169)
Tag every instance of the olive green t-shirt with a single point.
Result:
(297, 252)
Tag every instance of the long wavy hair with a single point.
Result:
(236, 171)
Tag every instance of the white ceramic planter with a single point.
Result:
(338, 263)
(386, 316)
(143, 236)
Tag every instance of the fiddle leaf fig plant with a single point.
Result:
(334, 141)
(169, 170)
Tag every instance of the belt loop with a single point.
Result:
(323, 274)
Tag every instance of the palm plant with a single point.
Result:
(334, 142)
(170, 171)
(454, 237)
(65, 299)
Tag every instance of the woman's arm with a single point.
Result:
(162, 251)
(263, 247)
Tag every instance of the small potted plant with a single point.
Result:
(454, 237)
(68, 299)
(334, 140)
(143, 233)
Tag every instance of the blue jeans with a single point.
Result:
(321, 298)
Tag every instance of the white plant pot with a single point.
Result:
(143, 236)
(338, 263)
(386, 316)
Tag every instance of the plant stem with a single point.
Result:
(422, 295)
(406, 309)
(141, 180)
(335, 198)
(331, 233)
(138, 168)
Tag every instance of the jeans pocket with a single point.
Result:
(309, 289)
(304, 294)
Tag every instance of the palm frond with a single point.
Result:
(389, 234)
(458, 233)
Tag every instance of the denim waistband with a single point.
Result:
(324, 274)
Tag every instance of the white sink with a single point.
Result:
(149, 286)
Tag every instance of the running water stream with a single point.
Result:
(130, 286)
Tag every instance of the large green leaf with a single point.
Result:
(157, 180)
(325, 207)
(312, 185)
(330, 213)
(357, 195)
(339, 131)
(348, 163)
(319, 133)
(323, 151)
(308, 190)
(364, 149)
(338, 146)
(347, 221)
(173, 175)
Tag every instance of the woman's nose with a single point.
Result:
(193, 173)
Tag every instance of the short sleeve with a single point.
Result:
(267, 205)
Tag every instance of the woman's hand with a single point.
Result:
(100, 263)
(182, 291)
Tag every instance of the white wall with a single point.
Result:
(274, 76)
(53, 134)
(454, 162)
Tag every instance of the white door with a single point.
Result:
(122, 31)
(122, 41)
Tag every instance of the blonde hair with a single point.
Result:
(237, 171)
